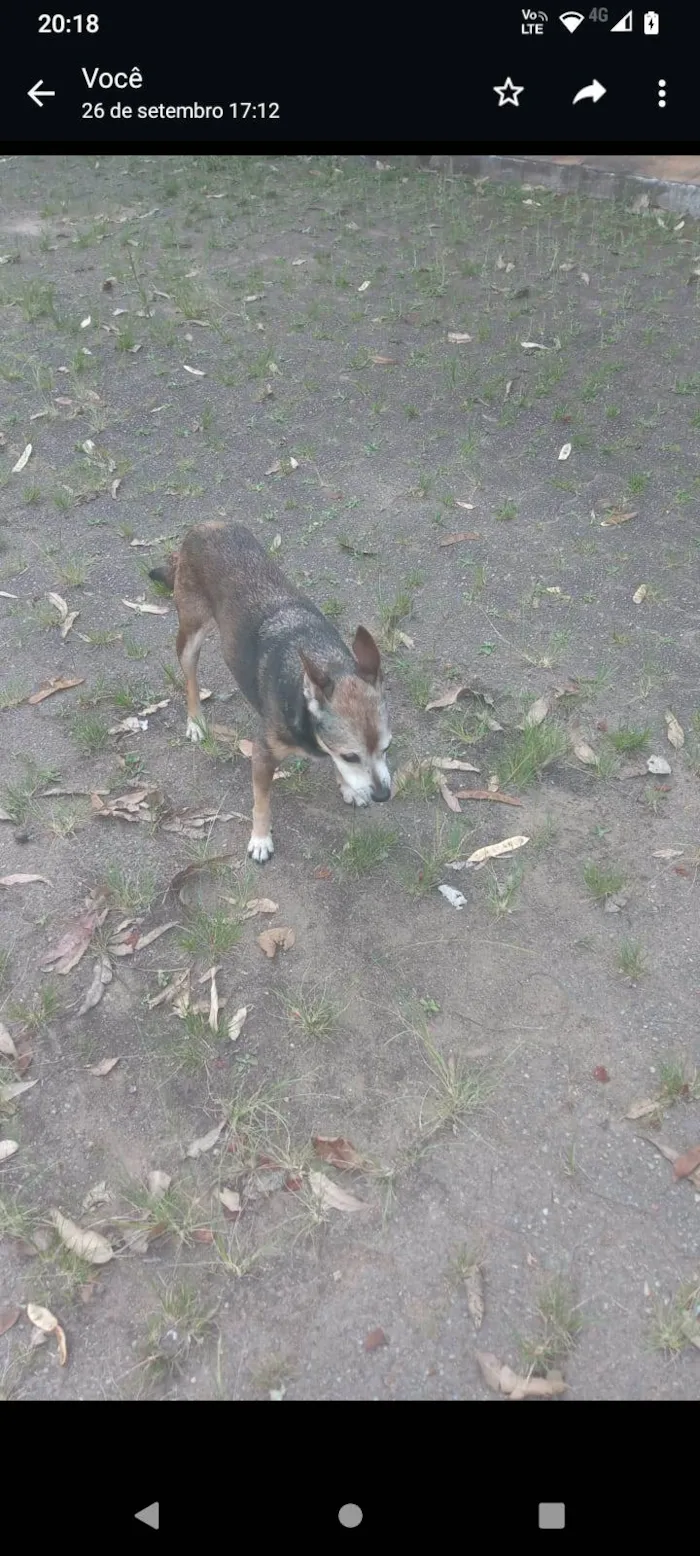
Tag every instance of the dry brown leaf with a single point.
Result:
(337, 1152)
(487, 794)
(458, 338)
(583, 751)
(617, 518)
(8, 1316)
(383, 361)
(214, 1005)
(158, 1183)
(146, 608)
(455, 540)
(15, 1089)
(23, 460)
(331, 1195)
(125, 807)
(7, 1149)
(505, 1381)
(231, 1202)
(675, 733)
(169, 993)
(76, 939)
(374, 1340)
(246, 748)
(508, 845)
(22, 880)
(537, 712)
(686, 1164)
(91, 1246)
(451, 764)
(104, 1067)
(474, 1287)
(102, 975)
(644, 1107)
(273, 939)
(7, 1045)
(155, 934)
(450, 799)
(205, 1142)
(667, 853)
(99, 1194)
(235, 1026)
(53, 686)
(448, 698)
(258, 905)
(45, 1324)
(195, 869)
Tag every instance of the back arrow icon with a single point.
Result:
(595, 91)
(36, 95)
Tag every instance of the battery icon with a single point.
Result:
(651, 23)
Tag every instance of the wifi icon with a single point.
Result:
(572, 20)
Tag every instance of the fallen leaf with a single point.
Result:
(337, 1152)
(205, 1142)
(88, 1245)
(203, 1234)
(231, 1202)
(454, 540)
(214, 1005)
(104, 1067)
(7, 1045)
(447, 699)
(235, 1026)
(583, 751)
(258, 905)
(146, 608)
(508, 845)
(534, 345)
(22, 880)
(565, 451)
(600, 1074)
(7, 1149)
(374, 1340)
(618, 518)
(658, 764)
(686, 1164)
(363, 287)
(155, 934)
(450, 799)
(505, 1381)
(170, 992)
(457, 338)
(14, 1089)
(383, 361)
(102, 975)
(195, 869)
(487, 794)
(129, 726)
(644, 1107)
(332, 1196)
(76, 939)
(99, 1194)
(451, 764)
(675, 733)
(460, 504)
(8, 1316)
(125, 807)
(537, 712)
(51, 687)
(667, 853)
(640, 594)
(23, 460)
(454, 897)
(474, 1287)
(272, 939)
(197, 372)
(158, 1183)
(46, 1324)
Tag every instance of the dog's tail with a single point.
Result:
(165, 575)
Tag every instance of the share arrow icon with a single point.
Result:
(595, 91)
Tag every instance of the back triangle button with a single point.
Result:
(150, 1515)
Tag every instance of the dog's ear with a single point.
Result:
(318, 684)
(366, 656)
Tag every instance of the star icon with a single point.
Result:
(508, 93)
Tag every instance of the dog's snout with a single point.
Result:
(380, 791)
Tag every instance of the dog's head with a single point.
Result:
(351, 722)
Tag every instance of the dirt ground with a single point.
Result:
(361, 363)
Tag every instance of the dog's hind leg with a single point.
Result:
(264, 764)
(189, 642)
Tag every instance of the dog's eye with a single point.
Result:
(349, 756)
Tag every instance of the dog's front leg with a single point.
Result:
(264, 764)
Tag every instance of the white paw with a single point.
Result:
(351, 797)
(261, 848)
(195, 732)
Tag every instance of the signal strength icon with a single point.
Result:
(572, 20)
(624, 24)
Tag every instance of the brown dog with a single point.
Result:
(316, 697)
